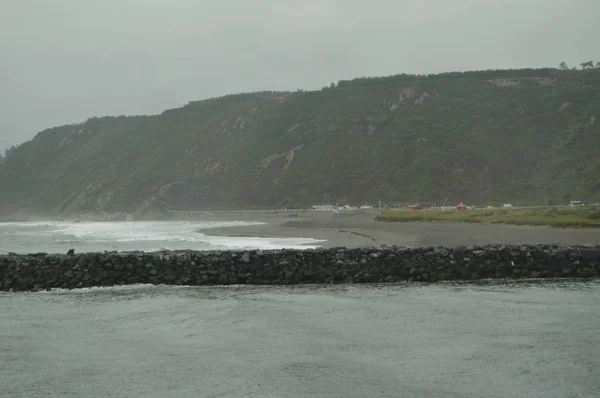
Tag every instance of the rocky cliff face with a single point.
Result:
(524, 134)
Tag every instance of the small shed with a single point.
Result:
(461, 206)
(413, 207)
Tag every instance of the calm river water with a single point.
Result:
(450, 340)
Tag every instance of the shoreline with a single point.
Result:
(364, 231)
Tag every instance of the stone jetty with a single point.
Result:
(40, 271)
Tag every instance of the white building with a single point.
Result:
(348, 208)
(323, 207)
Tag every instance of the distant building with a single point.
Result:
(506, 205)
(413, 207)
(323, 207)
(575, 203)
(461, 206)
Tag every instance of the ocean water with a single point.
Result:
(59, 237)
(490, 339)
(521, 339)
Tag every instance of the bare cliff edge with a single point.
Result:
(528, 135)
(289, 267)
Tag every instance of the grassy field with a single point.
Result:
(554, 216)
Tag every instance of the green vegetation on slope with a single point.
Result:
(525, 135)
(553, 216)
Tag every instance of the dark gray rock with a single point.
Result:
(590, 254)
(440, 251)
(39, 271)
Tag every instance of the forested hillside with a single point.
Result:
(530, 135)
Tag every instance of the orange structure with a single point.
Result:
(461, 206)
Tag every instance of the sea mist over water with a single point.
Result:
(520, 339)
(58, 237)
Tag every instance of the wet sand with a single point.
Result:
(363, 231)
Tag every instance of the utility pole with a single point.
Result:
(481, 200)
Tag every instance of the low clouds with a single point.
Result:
(65, 60)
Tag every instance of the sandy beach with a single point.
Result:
(362, 231)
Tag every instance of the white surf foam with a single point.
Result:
(155, 235)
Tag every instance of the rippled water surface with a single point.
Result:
(451, 340)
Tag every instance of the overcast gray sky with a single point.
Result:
(62, 61)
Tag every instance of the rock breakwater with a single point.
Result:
(31, 272)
